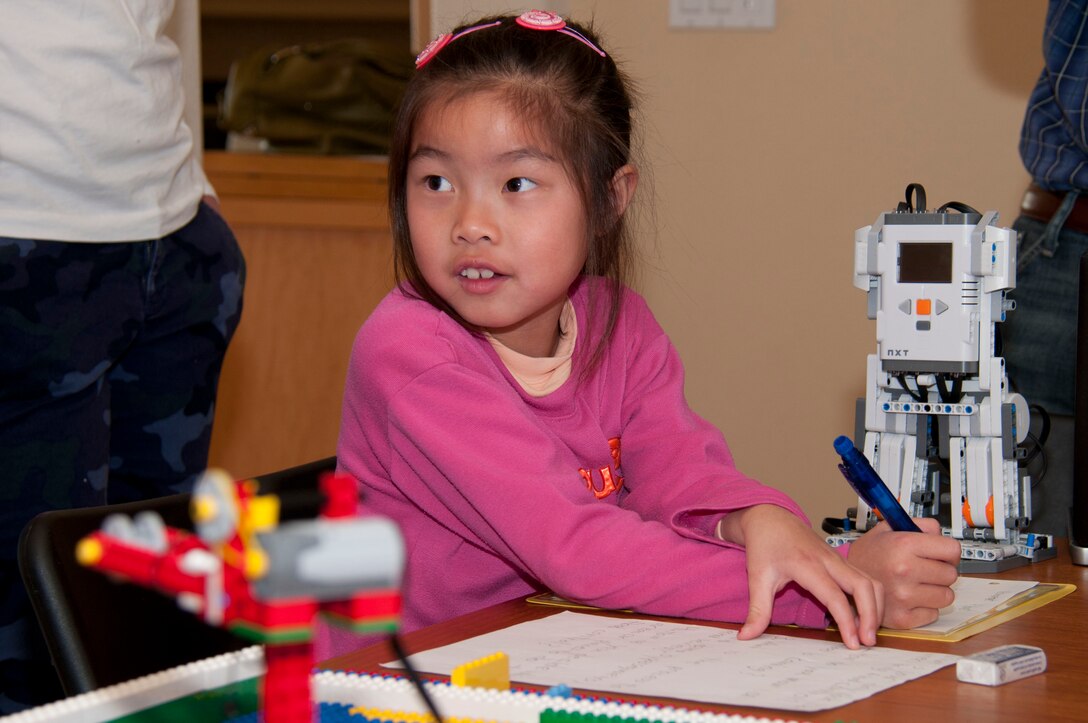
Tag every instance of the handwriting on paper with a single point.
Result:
(688, 662)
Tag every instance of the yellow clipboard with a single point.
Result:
(1031, 599)
(550, 599)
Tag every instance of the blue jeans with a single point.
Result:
(1040, 350)
(1040, 336)
(109, 364)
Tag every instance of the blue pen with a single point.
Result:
(867, 483)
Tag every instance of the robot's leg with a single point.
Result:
(895, 458)
(986, 490)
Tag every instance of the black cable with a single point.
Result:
(942, 390)
(957, 206)
(1039, 443)
(1044, 433)
(957, 389)
(1044, 416)
(953, 395)
(919, 204)
(414, 676)
(916, 396)
(1036, 479)
(836, 525)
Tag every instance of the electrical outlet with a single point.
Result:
(757, 14)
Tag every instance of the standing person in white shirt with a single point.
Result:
(120, 284)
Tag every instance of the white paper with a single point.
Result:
(975, 596)
(688, 662)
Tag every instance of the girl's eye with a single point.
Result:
(437, 183)
(519, 185)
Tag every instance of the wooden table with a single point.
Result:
(1060, 628)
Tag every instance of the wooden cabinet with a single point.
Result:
(318, 252)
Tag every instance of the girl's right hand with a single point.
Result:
(916, 571)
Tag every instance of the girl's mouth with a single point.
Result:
(474, 273)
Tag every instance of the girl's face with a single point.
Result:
(498, 229)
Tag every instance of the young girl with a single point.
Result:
(520, 413)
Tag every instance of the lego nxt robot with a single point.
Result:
(939, 422)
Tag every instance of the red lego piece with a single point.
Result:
(285, 692)
(341, 495)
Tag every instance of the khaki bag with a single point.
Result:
(334, 97)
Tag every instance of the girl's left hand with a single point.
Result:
(781, 548)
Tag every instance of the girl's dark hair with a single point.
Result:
(573, 97)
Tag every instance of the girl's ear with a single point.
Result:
(624, 183)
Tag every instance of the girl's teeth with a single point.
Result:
(478, 273)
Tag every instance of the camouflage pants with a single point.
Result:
(109, 361)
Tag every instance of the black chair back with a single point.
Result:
(100, 632)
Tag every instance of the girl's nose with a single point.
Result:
(475, 223)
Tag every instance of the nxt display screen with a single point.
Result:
(922, 263)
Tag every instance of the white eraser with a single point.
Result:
(1001, 665)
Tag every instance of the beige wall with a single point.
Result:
(768, 150)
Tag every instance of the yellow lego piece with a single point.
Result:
(262, 513)
(492, 671)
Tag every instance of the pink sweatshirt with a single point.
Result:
(606, 491)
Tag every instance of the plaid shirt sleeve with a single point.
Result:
(1053, 142)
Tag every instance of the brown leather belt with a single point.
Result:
(1041, 204)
